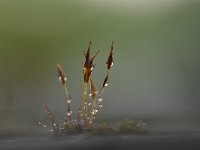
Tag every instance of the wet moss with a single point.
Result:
(132, 127)
(125, 127)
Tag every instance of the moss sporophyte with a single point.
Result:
(91, 102)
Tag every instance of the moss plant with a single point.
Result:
(132, 126)
(89, 105)
(90, 102)
(101, 129)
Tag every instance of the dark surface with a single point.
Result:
(165, 141)
(160, 137)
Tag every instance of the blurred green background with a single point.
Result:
(156, 70)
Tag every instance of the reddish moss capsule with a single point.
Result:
(61, 75)
(110, 58)
(88, 65)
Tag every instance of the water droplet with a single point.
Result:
(92, 112)
(65, 78)
(96, 110)
(100, 99)
(54, 124)
(89, 104)
(106, 84)
(112, 64)
(100, 106)
(69, 113)
(42, 124)
(92, 68)
(68, 101)
(90, 94)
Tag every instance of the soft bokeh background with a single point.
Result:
(156, 72)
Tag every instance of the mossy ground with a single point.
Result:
(125, 127)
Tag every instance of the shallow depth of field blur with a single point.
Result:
(156, 72)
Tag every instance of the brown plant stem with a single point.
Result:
(81, 106)
(85, 104)
(68, 105)
(93, 96)
(51, 117)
